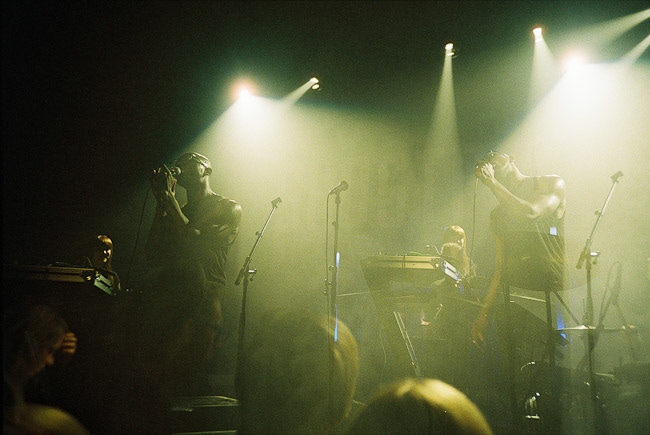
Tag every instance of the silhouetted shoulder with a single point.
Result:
(41, 419)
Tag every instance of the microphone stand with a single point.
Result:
(587, 257)
(612, 300)
(333, 283)
(246, 275)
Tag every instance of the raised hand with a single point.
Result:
(163, 183)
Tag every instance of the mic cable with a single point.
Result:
(137, 238)
(471, 251)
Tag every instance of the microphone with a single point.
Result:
(176, 171)
(276, 201)
(343, 185)
(616, 176)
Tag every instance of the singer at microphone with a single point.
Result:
(199, 232)
(528, 227)
(343, 185)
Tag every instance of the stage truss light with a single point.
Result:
(315, 83)
(449, 49)
(538, 33)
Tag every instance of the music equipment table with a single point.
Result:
(83, 296)
(380, 271)
(82, 275)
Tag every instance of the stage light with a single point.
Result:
(573, 61)
(243, 89)
(545, 71)
(449, 49)
(293, 97)
(244, 93)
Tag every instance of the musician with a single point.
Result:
(451, 310)
(100, 257)
(200, 232)
(454, 250)
(456, 272)
(97, 253)
(528, 227)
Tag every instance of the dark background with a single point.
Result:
(97, 94)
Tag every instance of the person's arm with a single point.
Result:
(168, 215)
(163, 185)
(549, 194)
(222, 223)
(481, 320)
(541, 204)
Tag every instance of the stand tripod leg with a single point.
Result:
(510, 346)
(553, 419)
(407, 342)
(550, 333)
(566, 308)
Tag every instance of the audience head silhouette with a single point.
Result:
(31, 338)
(420, 406)
(295, 376)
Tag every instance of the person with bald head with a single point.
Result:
(199, 232)
(528, 227)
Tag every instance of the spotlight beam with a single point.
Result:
(604, 33)
(637, 51)
(311, 84)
